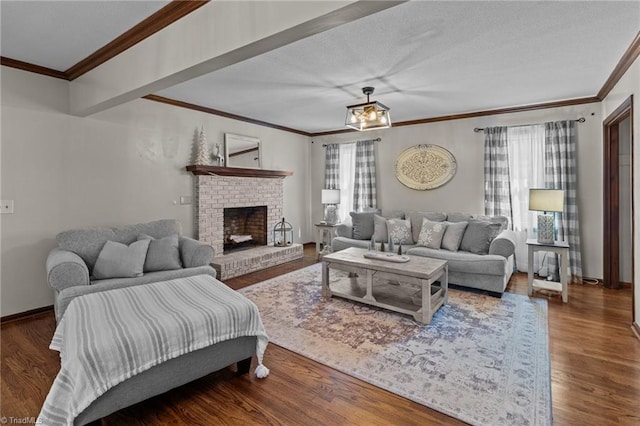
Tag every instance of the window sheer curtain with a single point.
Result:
(526, 170)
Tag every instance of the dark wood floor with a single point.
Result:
(595, 374)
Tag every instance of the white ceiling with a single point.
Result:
(425, 58)
(59, 34)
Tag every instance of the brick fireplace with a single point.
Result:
(244, 227)
(215, 193)
(218, 196)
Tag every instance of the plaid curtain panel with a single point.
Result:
(560, 173)
(497, 188)
(332, 166)
(364, 191)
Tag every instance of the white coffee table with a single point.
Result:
(389, 285)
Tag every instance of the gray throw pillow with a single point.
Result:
(117, 260)
(400, 231)
(431, 233)
(163, 254)
(380, 229)
(362, 223)
(453, 235)
(478, 236)
(416, 221)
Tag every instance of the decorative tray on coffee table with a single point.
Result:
(387, 257)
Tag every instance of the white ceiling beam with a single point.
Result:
(217, 35)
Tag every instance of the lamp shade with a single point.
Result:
(546, 200)
(330, 196)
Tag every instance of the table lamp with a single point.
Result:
(546, 201)
(330, 197)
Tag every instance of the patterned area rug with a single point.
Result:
(482, 360)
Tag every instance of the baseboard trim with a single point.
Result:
(636, 329)
(27, 314)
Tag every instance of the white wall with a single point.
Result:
(465, 192)
(629, 85)
(124, 165)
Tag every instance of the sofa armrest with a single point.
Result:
(345, 229)
(195, 253)
(504, 244)
(66, 269)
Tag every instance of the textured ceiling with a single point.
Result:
(424, 58)
(59, 34)
(428, 59)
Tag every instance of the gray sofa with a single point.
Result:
(488, 268)
(71, 266)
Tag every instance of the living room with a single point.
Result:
(126, 164)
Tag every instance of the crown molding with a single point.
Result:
(212, 111)
(629, 56)
(179, 8)
(546, 105)
(151, 25)
(26, 66)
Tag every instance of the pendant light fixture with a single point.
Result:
(369, 115)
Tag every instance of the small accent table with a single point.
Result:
(562, 249)
(324, 230)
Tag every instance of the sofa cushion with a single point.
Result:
(157, 229)
(459, 217)
(117, 260)
(416, 221)
(87, 243)
(163, 253)
(478, 236)
(431, 233)
(453, 235)
(400, 231)
(502, 220)
(363, 224)
(463, 261)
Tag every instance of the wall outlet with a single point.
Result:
(6, 206)
(186, 199)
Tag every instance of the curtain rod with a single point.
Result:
(324, 145)
(481, 129)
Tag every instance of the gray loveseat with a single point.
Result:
(71, 267)
(480, 254)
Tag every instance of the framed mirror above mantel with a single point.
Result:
(242, 151)
(237, 171)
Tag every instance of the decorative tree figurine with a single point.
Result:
(202, 155)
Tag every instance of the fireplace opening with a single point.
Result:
(244, 227)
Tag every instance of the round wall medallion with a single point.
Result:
(425, 167)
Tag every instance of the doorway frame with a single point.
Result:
(611, 207)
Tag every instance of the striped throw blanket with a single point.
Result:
(107, 337)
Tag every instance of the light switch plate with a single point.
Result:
(186, 199)
(6, 206)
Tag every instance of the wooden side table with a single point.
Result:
(562, 249)
(324, 235)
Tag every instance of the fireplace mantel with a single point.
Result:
(237, 171)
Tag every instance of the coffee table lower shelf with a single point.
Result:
(394, 297)
(394, 289)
